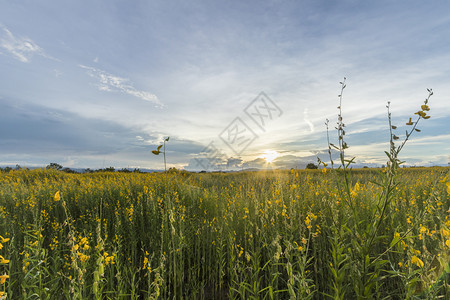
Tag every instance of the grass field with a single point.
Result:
(250, 235)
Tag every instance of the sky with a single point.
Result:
(234, 84)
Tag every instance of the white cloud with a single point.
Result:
(307, 121)
(111, 83)
(57, 72)
(21, 48)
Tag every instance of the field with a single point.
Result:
(250, 235)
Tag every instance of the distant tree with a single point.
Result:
(69, 170)
(124, 170)
(7, 169)
(110, 169)
(54, 166)
(173, 170)
(311, 166)
(365, 167)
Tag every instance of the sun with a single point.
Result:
(270, 155)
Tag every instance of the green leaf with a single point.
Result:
(388, 155)
(156, 152)
(159, 147)
(395, 240)
(332, 145)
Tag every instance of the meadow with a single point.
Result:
(298, 234)
(331, 233)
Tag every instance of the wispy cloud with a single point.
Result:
(21, 48)
(112, 83)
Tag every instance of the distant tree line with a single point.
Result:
(58, 167)
(8, 169)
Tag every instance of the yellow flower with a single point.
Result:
(57, 196)
(355, 190)
(421, 113)
(324, 170)
(423, 229)
(417, 261)
(108, 259)
(3, 278)
(403, 245)
(307, 220)
(445, 232)
(145, 262)
(299, 248)
(3, 240)
(448, 187)
(3, 260)
(447, 242)
(425, 107)
(410, 122)
(83, 258)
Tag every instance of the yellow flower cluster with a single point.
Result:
(80, 247)
(417, 261)
(109, 259)
(355, 190)
(3, 261)
(146, 265)
(308, 219)
(446, 235)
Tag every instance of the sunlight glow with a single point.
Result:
(270, 155)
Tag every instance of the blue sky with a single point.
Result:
(100, 83)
